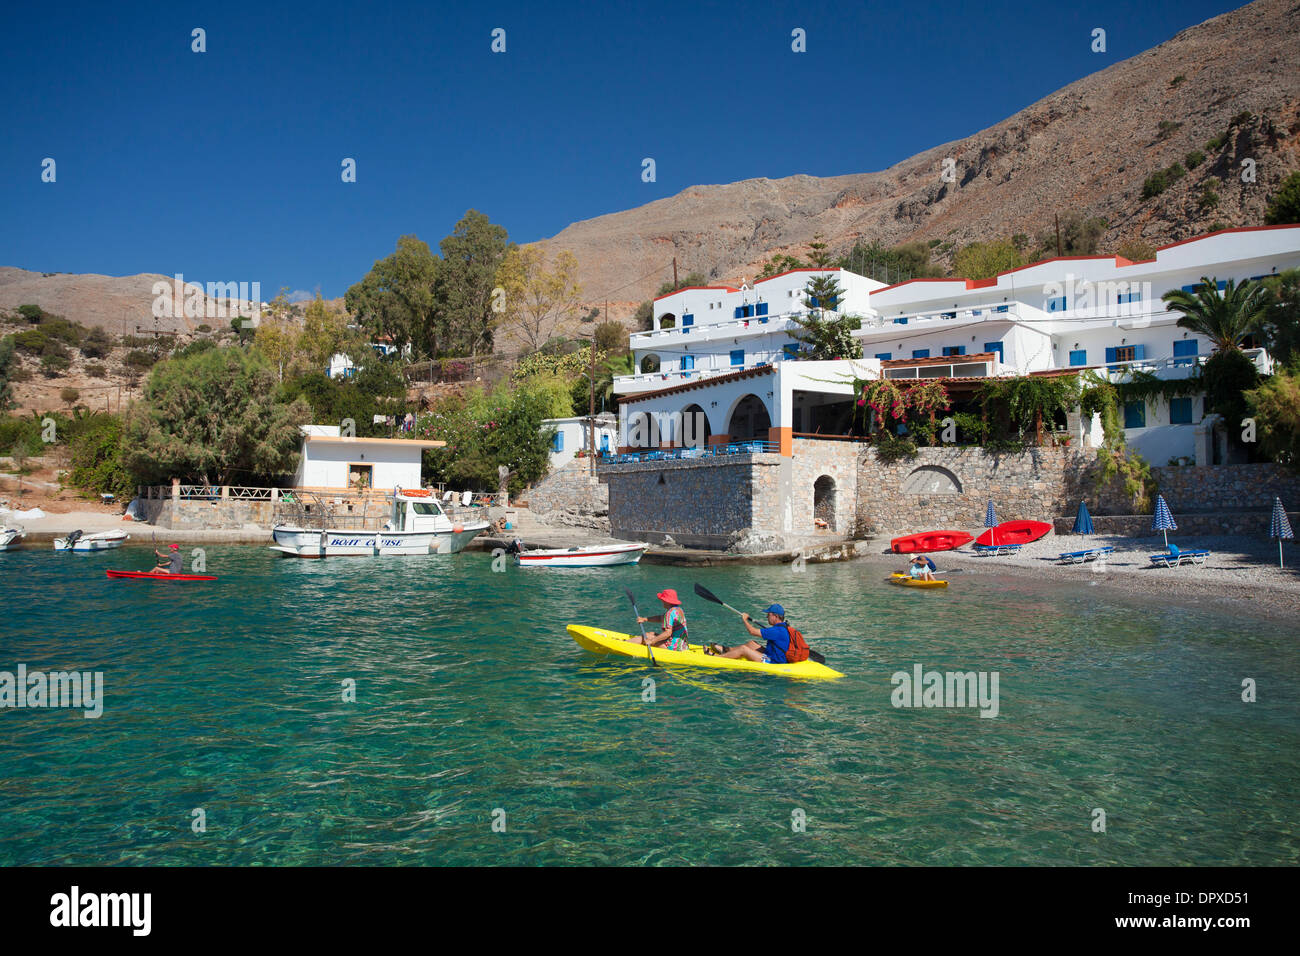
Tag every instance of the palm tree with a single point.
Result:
(1224, 318)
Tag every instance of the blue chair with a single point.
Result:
(1175, 557)
(996, 550)
(1082, 557)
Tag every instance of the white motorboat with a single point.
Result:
(416, 525)
(10, 538)
(99, 541)
(592, 556)
(419, 525)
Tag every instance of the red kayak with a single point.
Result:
(1014, 532)
(930, 541)
(151, 576)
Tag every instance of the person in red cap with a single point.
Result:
(169, 563)
(673, 637)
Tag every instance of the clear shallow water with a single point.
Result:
(471, 697)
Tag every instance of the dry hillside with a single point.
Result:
(1086, 148)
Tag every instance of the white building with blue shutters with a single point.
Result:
(572, 436)
(1098, 312)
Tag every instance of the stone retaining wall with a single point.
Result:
(943, 488)
(1216, 487)
(196, 514)
(571, 488)
(1250, 523)
(700, 502)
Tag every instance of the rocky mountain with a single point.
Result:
(1086, 149)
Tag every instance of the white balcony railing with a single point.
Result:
(731, 328)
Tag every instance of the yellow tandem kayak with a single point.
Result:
(600, 641)
(907, 581)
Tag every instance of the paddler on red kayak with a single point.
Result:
(169, 563)
(673, 637)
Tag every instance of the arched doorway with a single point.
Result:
(667, 321)
(649, 364)
(695, 427)
(749, 420)
(824, 502)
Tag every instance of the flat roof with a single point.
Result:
(339, 440)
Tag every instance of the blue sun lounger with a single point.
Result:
(996, 550)
(1082, 557)
(1175, 556)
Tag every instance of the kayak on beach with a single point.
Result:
(600, 641)
(907, 581)
(155, 576)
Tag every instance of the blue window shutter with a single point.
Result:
(920, 353)
(994, 347)
(1110, 354)
(1180, 411)
(688, 319)
(557, 444)
(1139, 352)
(1135, 415)
(1079, 357)
(815, 303)
(762, 308)
(1002, 308)
(738, 311)
(737, 356)
(884, 356)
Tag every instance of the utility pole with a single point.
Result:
(1058, 233)
(591, 408)
(674, 273)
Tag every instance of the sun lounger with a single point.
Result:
(1175, 556)
(996, 550)
(1082, 557)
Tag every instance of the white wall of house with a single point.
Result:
(327, 460)
(571, 436)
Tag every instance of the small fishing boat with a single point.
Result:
(1014, 532)
(930, 541)
(600, 641)
(417, 524)
(592, 556)
(10, 538)
(158, 576)
(907, 581)
(99, 541)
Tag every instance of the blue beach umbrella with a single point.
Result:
(991, 520)
(1164, 520)
(1083, 521)
(1280, 528)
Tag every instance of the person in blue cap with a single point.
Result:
(776, 635)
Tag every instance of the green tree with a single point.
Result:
(95, 448)
(1284, 205)
(1224, 318)
(611, 337)
(538, 300)
(984, 260)
(1282, 321)
(471, 258)
(1275, 406)
(213, 417)
(818, 253)
(396, 298)
(8, 364)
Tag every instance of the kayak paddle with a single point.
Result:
(649, 651)
(708, 595)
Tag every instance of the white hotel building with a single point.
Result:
(731, 354)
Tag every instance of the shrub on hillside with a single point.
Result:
(1194, 159)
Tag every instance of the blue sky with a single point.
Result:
(225, 165)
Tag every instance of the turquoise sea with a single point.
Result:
(482, 735)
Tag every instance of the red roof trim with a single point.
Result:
(1209, 235)
(697, 288)
(1119, 260)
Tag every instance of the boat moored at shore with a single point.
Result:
(417, 525)
(99, 541)
(592, 556)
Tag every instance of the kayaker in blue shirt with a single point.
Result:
(776, 637)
